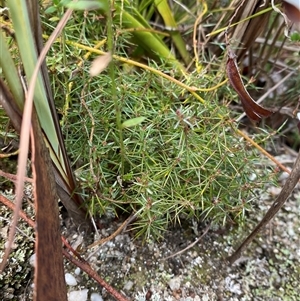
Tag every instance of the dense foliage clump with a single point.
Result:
(184, 160)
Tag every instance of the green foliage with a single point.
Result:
(89, 5)
(139, 142)
(295, 36)
(184, 160)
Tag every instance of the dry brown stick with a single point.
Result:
(264, 152)
(13, 177)
(287, 189)
(2, 156)
(106, 239)
(11, 206)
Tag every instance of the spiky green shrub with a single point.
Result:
(184, 160)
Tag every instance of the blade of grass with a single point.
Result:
(239, 22)
(166, 13)
(148, 40)
(10, 73)
(21, 23)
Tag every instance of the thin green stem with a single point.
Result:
(117, 104)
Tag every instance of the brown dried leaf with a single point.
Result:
(253, 110)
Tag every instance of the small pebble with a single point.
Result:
(283, 176)
(78, 295)
(174, 283)
(32, 260)
(205, 298)
(96, 297)
(252, 177)
(128, 286)
(70, 279)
